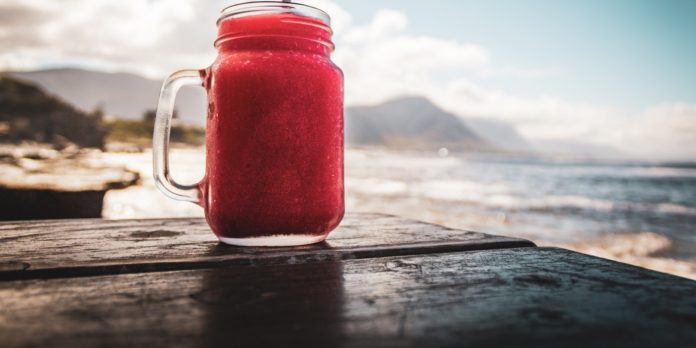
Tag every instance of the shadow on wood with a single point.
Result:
(298, 305)
(515, 297)
(32, 204)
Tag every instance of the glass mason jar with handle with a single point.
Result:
(274, 133)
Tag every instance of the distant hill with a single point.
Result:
(28, 113)
(118, 94)
(411, 123)
(407, 122)
(501, 134)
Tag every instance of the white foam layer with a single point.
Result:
(274, 241)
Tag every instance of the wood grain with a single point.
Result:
(71, 248)
(512, 297)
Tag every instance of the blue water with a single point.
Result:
(596, 198)
(556, 201)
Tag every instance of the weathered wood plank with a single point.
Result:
(91, 247)
(512, 297)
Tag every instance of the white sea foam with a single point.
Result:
(571, 201)
(676, 209)
(642, 249)
(458, 190)
(663, 172)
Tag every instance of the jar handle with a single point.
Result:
(160, 137)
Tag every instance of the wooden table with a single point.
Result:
(378, 281)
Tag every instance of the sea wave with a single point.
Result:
(569, 201)
(671, 208)
(645, 249)
(498, 195)
(459, 190)
(572, 203)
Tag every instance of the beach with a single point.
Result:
(641, 213)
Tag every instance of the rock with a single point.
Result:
(41, 183)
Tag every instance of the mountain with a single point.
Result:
(407, 122)
(27, 113)
(501, 134)
(410, 123)
(117, 94)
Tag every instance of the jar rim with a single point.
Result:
(272, 7)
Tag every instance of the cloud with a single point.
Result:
(150, 37)
(385, 24)
(666, 131)
(662, 131)
(381, 60)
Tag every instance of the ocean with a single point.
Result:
(641, 213)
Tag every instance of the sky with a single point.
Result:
(618, 74)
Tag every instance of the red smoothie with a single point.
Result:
(274, 132)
